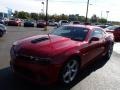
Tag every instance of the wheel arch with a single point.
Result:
(69, 58)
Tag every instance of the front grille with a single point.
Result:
(31, 59)
(17, 54)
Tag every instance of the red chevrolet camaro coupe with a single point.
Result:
(60, 55)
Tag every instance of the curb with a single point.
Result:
(116, 48)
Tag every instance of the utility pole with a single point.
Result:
(101, 14)
(46, 14)
(107, 14)
(86, 19)
(43, 7)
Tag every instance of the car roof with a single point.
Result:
(83, 26)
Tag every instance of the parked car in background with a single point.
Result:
(29, 23)
(52, 23)
(14, 22)
(60, 55)
(2, 21)
(41, 23)
(115, 30)
(63, 22)
(103, 26)
(2, 30)
(75, 22)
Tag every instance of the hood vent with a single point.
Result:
(39, 40)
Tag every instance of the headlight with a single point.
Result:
(16, 43)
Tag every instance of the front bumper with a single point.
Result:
(36, 73)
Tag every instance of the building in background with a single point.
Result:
(3, 15)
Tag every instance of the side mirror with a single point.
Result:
(94, 39)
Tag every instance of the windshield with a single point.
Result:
(75, 33)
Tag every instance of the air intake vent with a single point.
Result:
(39, 40)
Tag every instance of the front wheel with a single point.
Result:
(70, 71)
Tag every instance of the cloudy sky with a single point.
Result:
(98, 7)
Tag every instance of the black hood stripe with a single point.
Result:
(39, 40)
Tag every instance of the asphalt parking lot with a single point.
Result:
(103, 75)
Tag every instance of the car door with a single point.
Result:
(99, 44)
(92, 49)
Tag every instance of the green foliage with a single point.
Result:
(94, 19)
(34, 16)
(15, 14)
(81, 18)
(55, 17)
(41, 16)
(23, 15)
(102, 20)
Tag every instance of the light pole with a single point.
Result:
(43, 7)
(101, 14)
(46, 14)
(107, 12)
(86, 19)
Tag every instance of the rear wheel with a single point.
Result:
(109, 51)
(69, 71)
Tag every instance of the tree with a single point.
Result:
(23, 15)
(15, 14)
(102, 21)
(41, 16)
(34, 16)
(81, 18)
(73, 17)
(94, 19)
(63, 17)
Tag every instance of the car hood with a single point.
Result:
(45, 45)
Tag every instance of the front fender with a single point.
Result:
(66, 55)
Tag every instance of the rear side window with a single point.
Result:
(97, 33)
(118, 29)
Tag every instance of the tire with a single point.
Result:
(109, 52)
(1, 33)
(70, 72)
